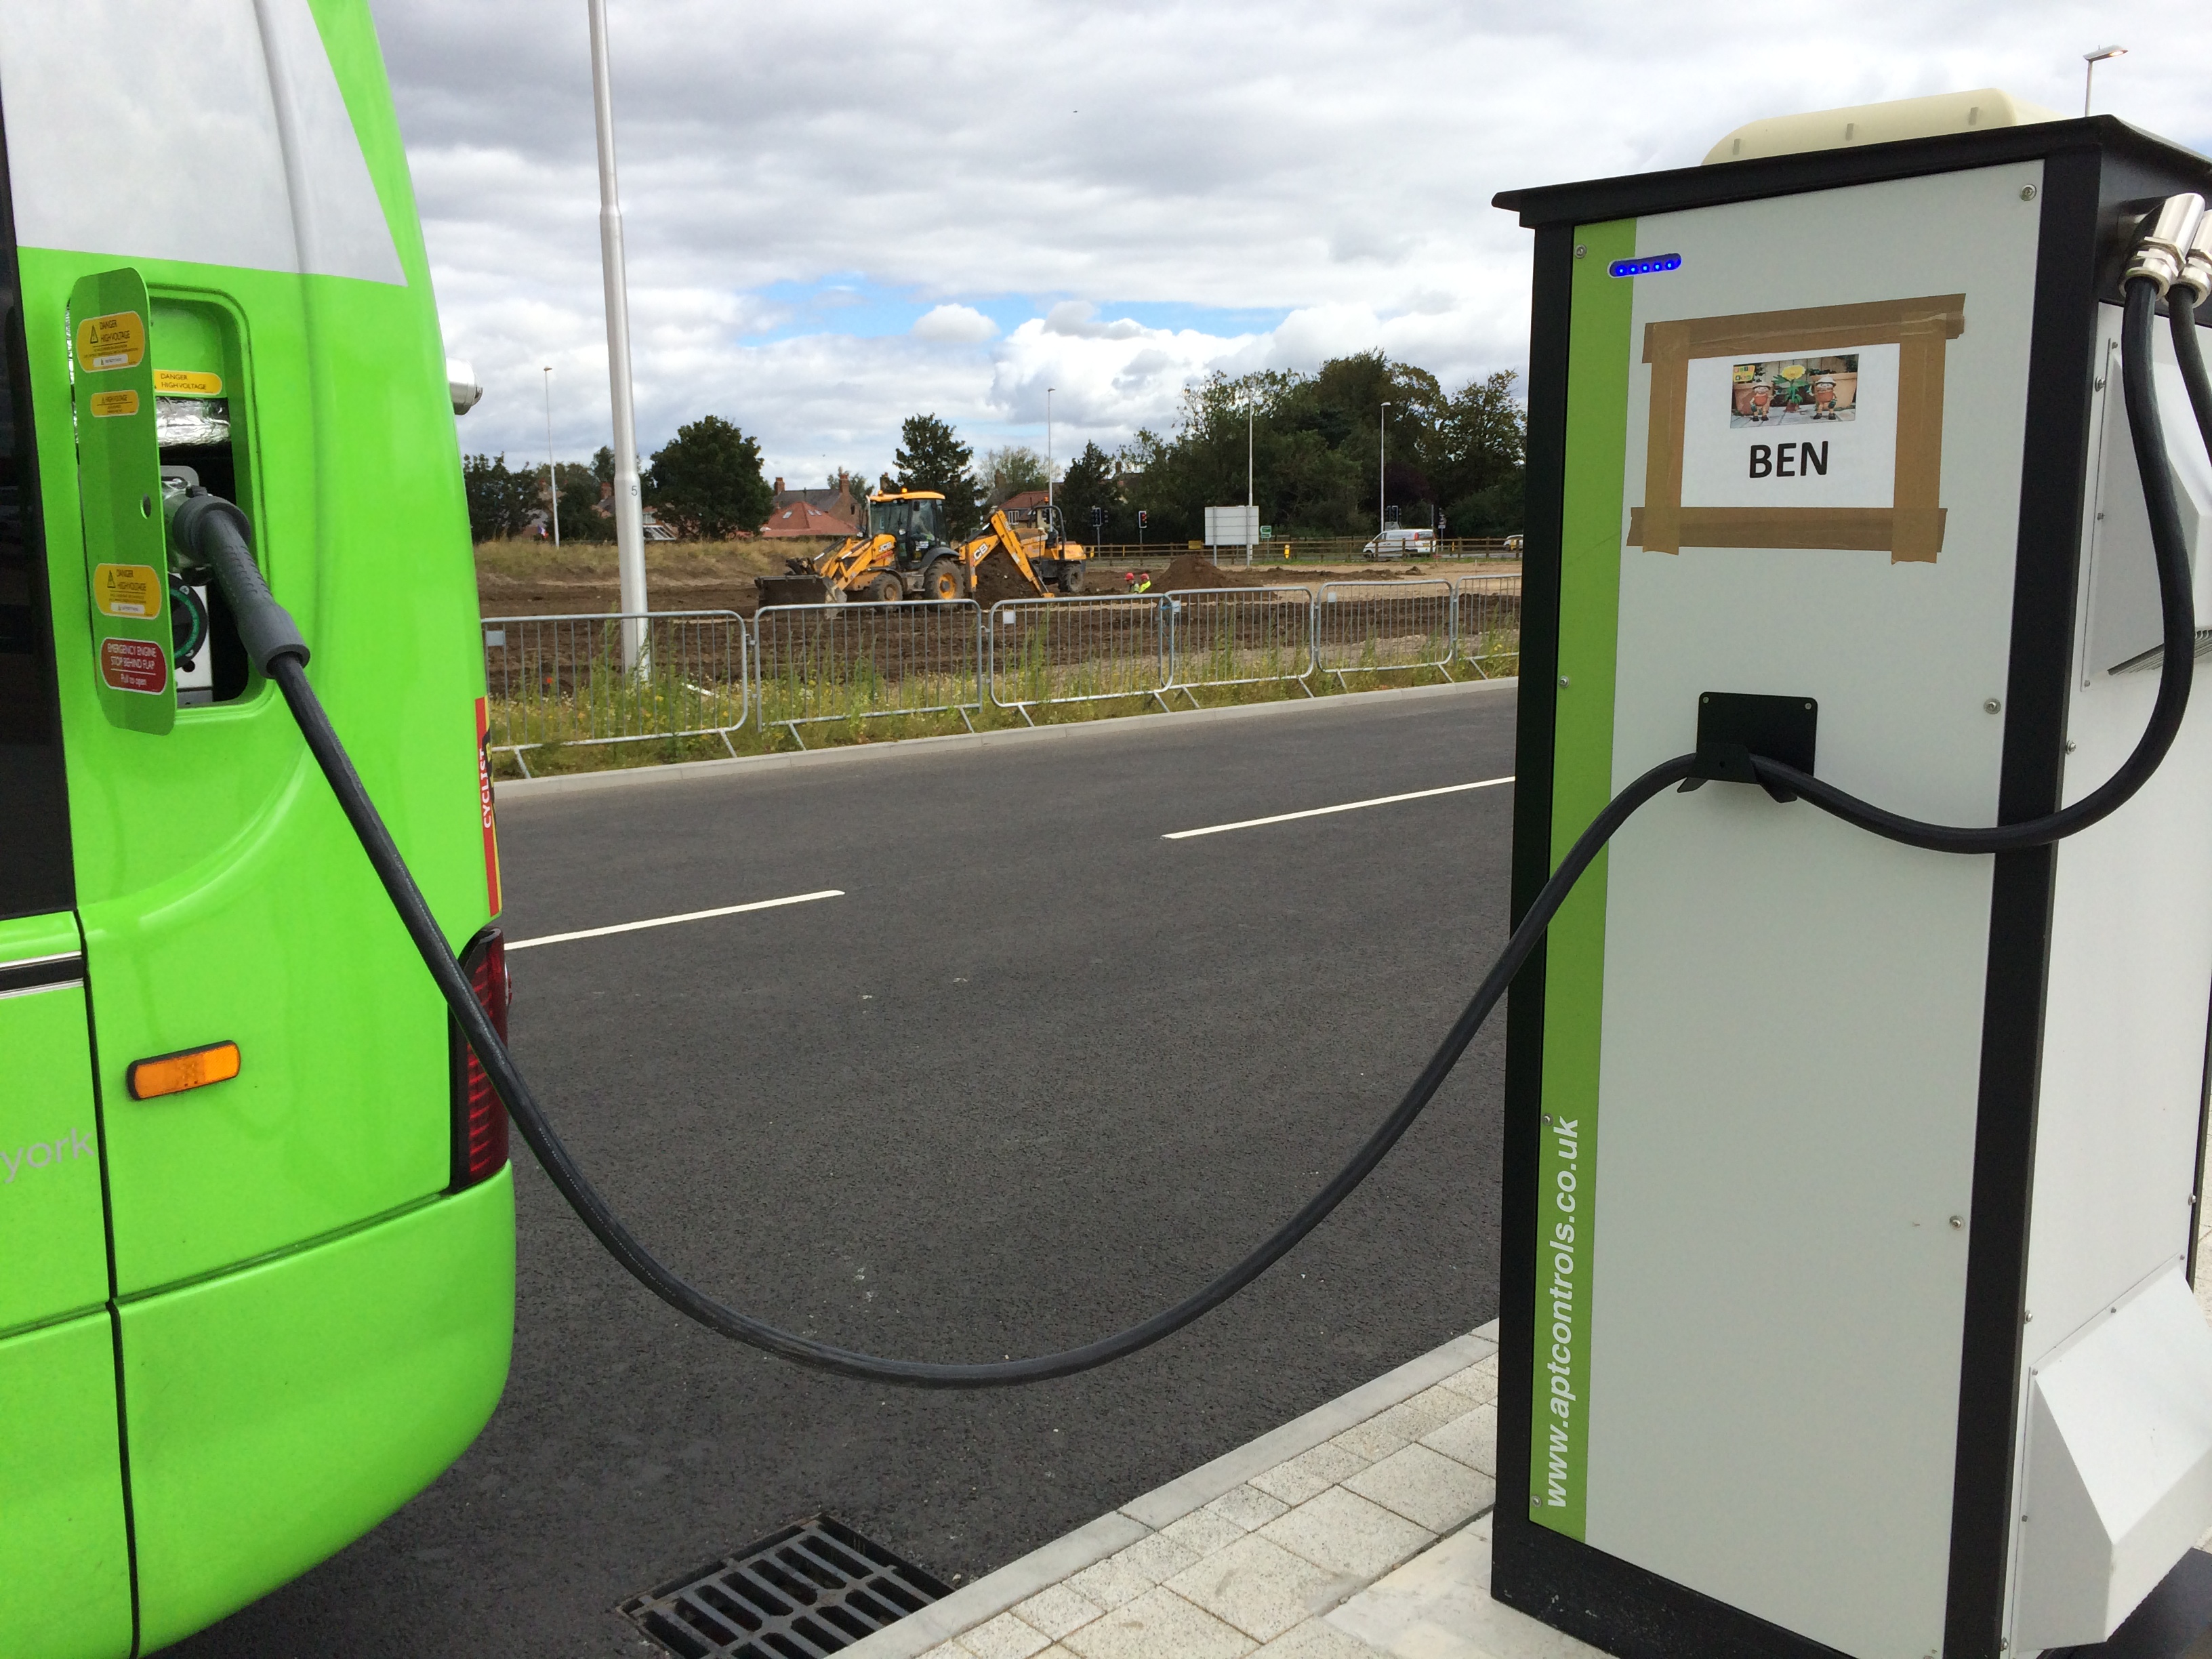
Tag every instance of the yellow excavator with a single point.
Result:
(905, 554)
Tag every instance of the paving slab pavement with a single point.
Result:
(1358, 1530)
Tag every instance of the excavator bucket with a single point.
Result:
(796, 590)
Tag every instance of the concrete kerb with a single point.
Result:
(508, 791)
(1015, 1582)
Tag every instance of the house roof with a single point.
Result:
(803, 517)
(1027, 500)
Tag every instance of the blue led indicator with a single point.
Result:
(1646, 267)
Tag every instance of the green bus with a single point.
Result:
(257, 1233)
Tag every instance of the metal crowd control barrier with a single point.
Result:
(1487, 625)
(1239, 636)
(1078, 650)
(845, 662)
(560, 679)
(1383, 627)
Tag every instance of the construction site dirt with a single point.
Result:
(517, 579)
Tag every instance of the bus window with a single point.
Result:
(35, 837)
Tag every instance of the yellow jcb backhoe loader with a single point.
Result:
(905, 554)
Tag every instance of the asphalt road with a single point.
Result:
(1037, 1074)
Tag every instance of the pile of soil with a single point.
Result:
(999, 578)
(1190, 571)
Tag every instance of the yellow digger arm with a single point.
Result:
(1003, 535)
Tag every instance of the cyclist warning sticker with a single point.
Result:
(187, 383)
(114, 403)
(115, 341)
(134, 666)
(127, 590)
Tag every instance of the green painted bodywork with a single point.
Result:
(368, 1364)
(1599, 355)
(311, 1329)
(65, 1558)
(52, 1238)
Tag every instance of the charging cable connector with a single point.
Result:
(2166, 238)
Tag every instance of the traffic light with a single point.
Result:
(1098, 519)
(1143, 518)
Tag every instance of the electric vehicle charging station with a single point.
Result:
(1851, 1187)
(1885, 1346)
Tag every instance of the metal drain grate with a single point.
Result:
(813, 1589)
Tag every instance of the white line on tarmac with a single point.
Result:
(1323, 811)
(670, 921)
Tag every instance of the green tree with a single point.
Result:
(1090, 482)
(499, 501)
(1008, 471)
(602, 463)
(1483, 435)
(931, 456)
(708, 481)
(580, 518)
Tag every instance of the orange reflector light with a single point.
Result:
(189, 1068)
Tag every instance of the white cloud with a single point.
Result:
(954, 324)
(1329, 165)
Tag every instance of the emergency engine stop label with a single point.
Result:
(187, 383)
(134, 666)
(127, 590)
(105, 404)
(115, 341)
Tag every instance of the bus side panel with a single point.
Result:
(279, 1412)
(222, 895)
(65, 1558)
(54, 1237)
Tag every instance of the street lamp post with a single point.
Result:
(1047, 460)
(1381, 475)
(2090, 60)
(1251, 515)
(629, 505)
(552, 467)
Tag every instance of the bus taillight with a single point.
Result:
(479, 1117)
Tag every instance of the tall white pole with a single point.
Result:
(1251, 518)
(629, 502)
(1381, 475)
(552, 467)
(1048, 452)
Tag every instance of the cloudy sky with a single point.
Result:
(840, 213)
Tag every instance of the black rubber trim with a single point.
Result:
(2062, 363)
(1551, 306)
(40, 972)
(1640, 195)
(1622, 1608)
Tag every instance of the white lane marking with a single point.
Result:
(670, 921)
(1323, 811)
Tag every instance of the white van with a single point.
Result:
(1401, 544)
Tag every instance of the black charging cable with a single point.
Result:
(212, 532)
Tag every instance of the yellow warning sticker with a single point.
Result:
(114, 403)
(127, 590)
(187, 383)
(115, 341)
